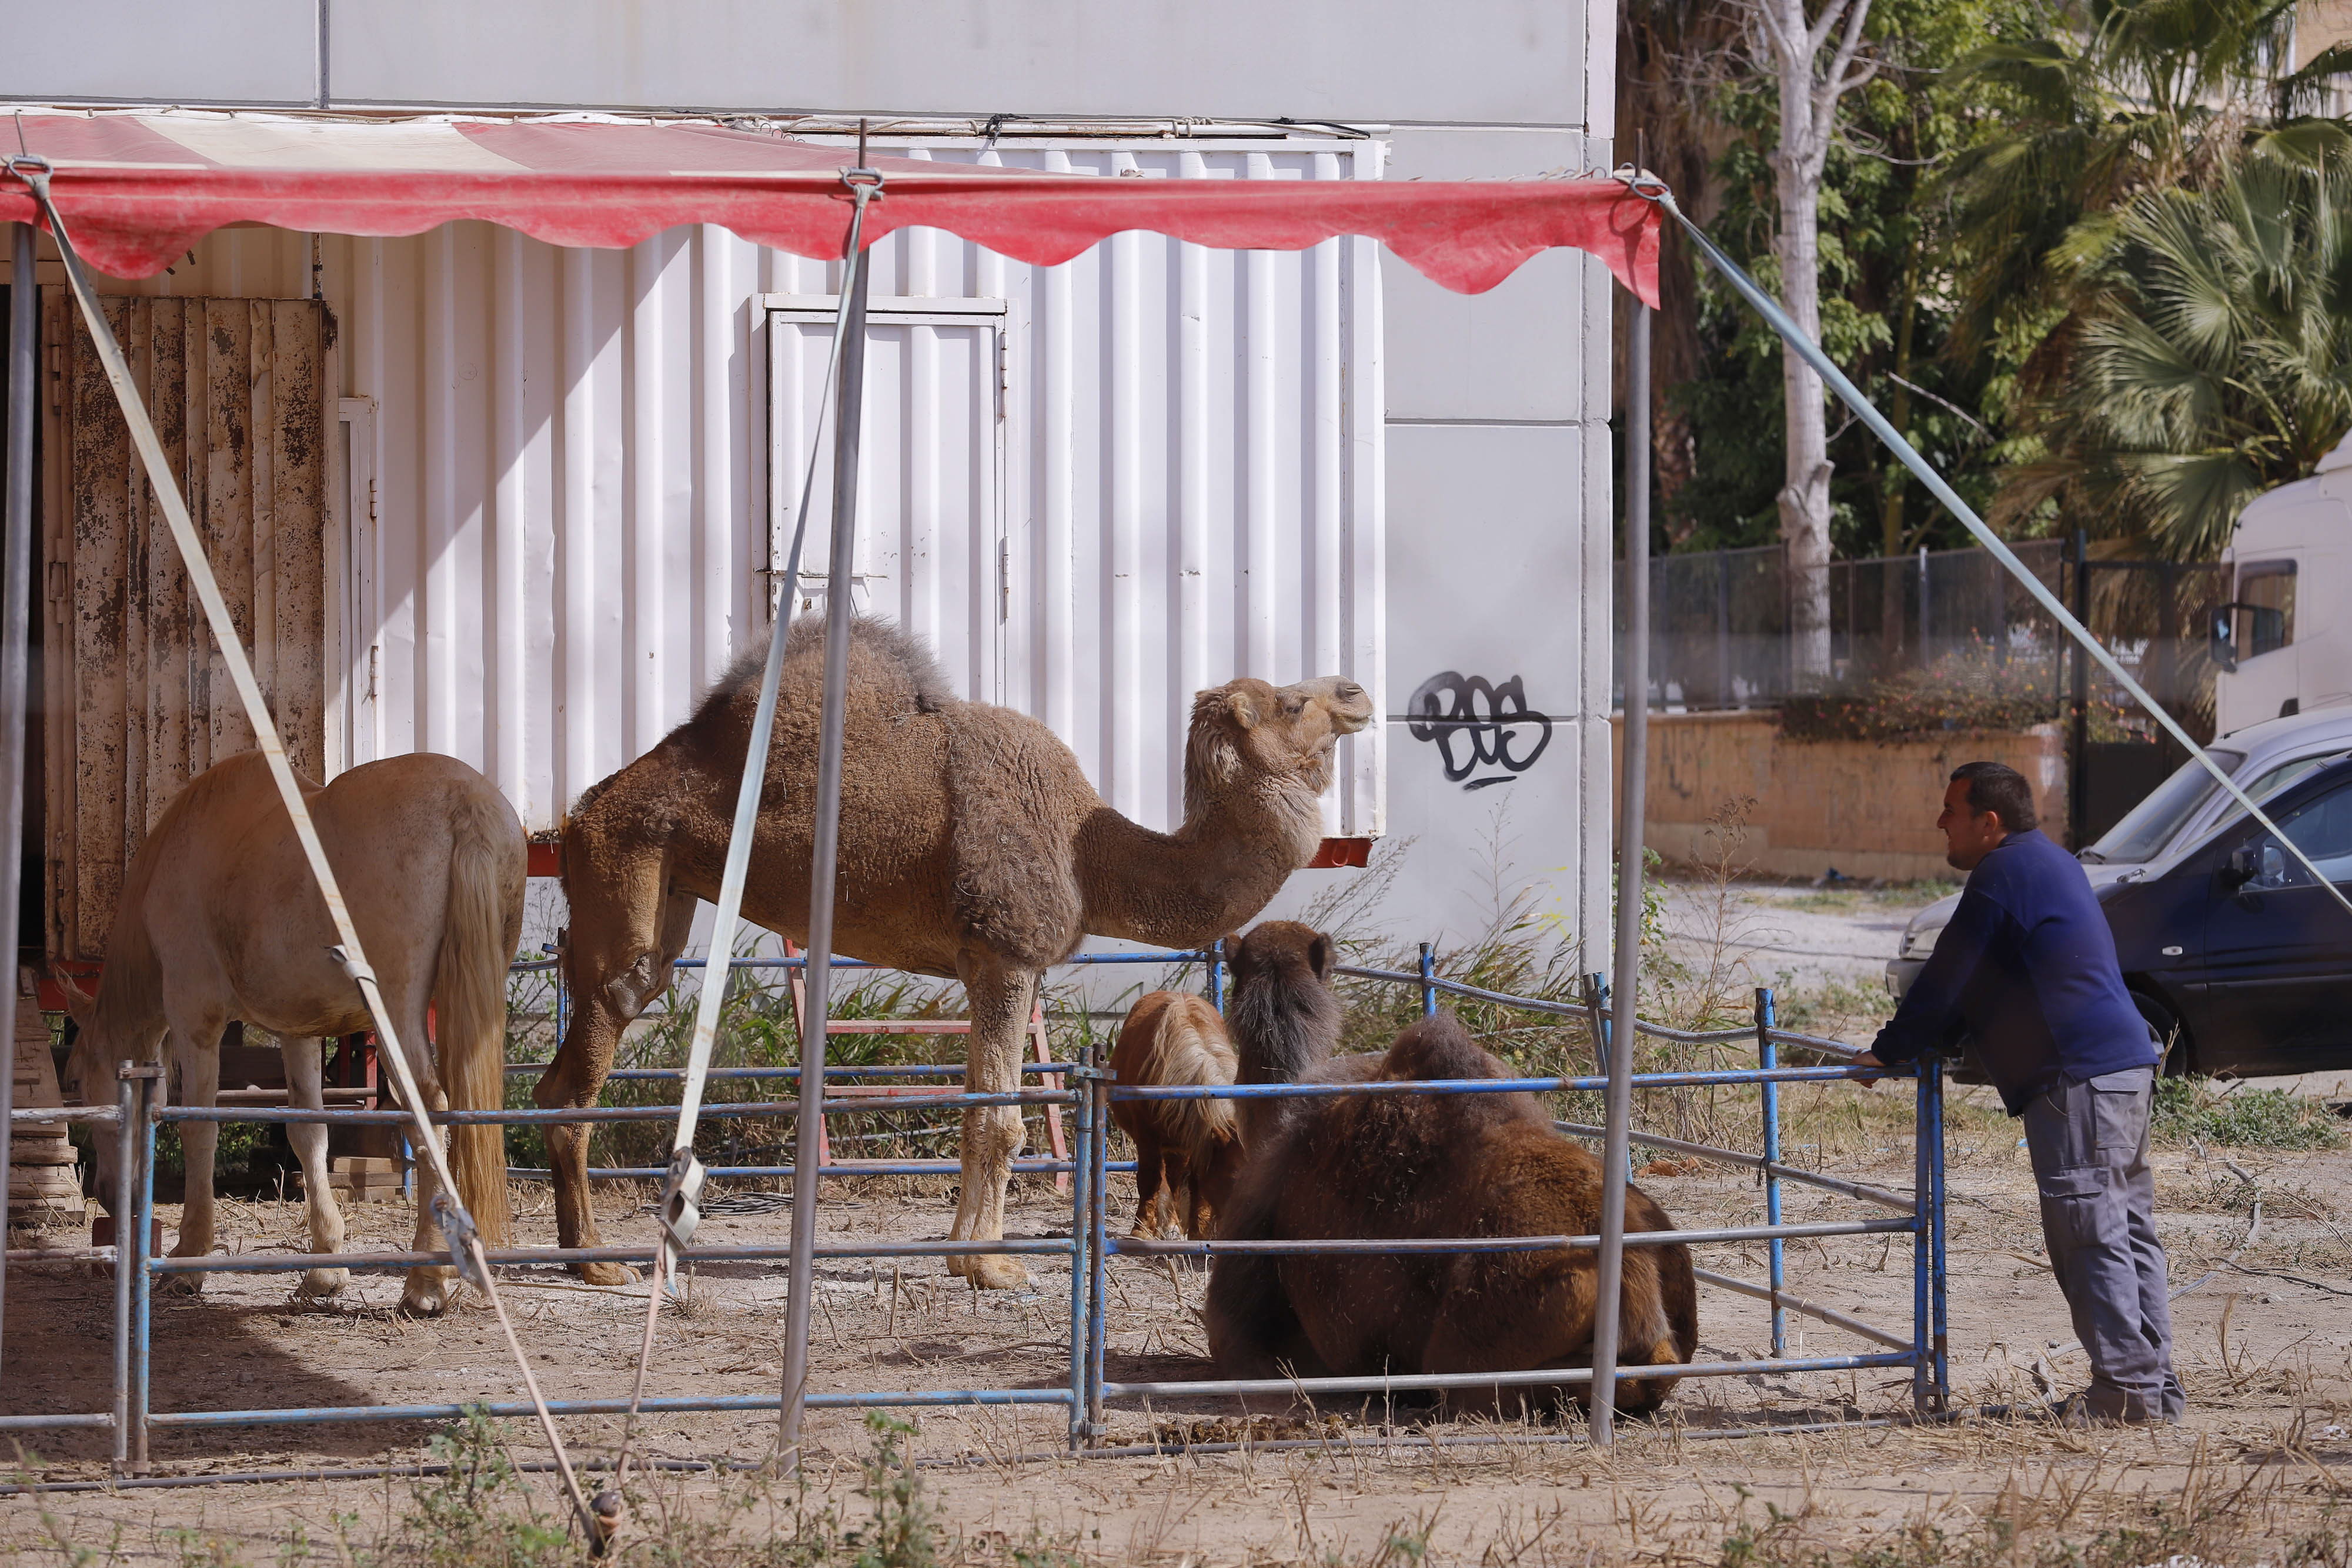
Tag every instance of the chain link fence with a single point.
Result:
(1952, 622)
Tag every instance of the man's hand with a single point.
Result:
(1869, 1080)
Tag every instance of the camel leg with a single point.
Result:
(575, 1081)
(1147, 1185)
(194, 1048)
(612, 972)
(1000, 998)
(306, 1087)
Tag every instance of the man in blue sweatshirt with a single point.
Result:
(2027, 970)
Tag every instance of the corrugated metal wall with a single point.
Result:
(1177, 449)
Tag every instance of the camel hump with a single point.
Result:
(1439, 1047)
(876, 646)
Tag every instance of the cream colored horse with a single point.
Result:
(219, 919)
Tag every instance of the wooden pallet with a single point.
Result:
(365, 1179)
(44, 1172)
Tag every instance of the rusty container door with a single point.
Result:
(139, 700)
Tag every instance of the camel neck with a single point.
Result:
(1191, 886)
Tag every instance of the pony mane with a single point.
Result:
(1190, 1048)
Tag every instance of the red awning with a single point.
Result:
(139, 190)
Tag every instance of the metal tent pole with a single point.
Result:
(849, 405)
(1616, 1144)
(16, 628)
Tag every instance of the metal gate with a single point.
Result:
(238, 389)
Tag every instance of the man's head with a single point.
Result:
(1983, 804)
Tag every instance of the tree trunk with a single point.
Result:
(1805, 488)
(1810, 86)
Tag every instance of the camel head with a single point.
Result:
(1249, 732)
(1284, 1016)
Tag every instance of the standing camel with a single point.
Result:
(971, 847)
(219, 919)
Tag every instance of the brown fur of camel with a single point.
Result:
(971, 847)
(1399, 1167)
(1186, 1151)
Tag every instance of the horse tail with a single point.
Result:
(1190, 1048)
(477, 942)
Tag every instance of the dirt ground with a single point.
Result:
(2263, 1345)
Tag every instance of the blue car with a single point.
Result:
(2235, 954)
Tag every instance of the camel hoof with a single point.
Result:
(321, 1282)
(607, 1274)
(179, 1284)
(991, 1271)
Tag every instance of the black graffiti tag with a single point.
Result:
(1459, 711)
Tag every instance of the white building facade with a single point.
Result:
(561, 482)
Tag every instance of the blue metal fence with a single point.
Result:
(1088, 1092)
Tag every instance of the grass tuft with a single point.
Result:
(2210, 1111)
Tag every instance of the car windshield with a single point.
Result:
(2149, 826)
(2271, 781)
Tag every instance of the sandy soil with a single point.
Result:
(1794, 935)
(2264, 1344)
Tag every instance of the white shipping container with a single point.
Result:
(565, 476)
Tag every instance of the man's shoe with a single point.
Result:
(2098, 1407)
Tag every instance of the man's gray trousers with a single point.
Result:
(2089, 1143)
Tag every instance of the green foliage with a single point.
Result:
(478, 1514)
(1967, 690)
(2150, 239)
(906, 1530)
(2212, 358)
(2199, 1110)
(1888, 302)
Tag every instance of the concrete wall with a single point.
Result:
(1866, 809)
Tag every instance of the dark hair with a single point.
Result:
(1997, 787)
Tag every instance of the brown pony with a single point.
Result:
(219, 919)
(1194, 1145)
(1399, 1167)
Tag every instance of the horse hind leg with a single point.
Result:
(1149, 1168)
(426, 1293)
(305, 1088)
(194, 1062)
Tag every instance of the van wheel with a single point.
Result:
(2179, 1060)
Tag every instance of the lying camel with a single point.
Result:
(1187, 1147)
(971, 847)
(1397, 1167)
(219, 919)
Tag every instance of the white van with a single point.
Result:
(2285, 637)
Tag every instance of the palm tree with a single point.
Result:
(2210, 354)
(2124, 97)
